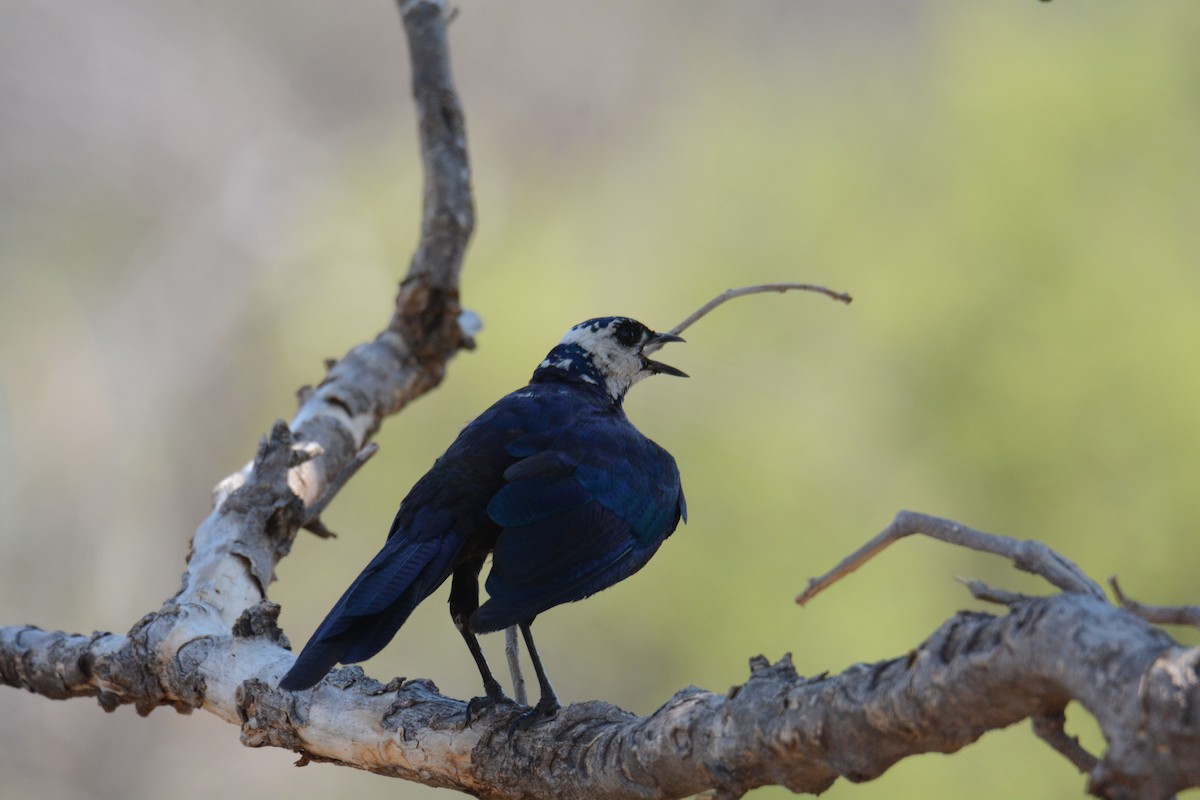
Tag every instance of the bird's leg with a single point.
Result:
(491, 686)
(547, 705)
(464, 599)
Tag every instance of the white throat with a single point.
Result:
(620, 367)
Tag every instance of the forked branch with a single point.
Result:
(1028, 555)
(216, 645)
(218, 631)
(1158, 615)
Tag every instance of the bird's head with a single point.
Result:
(606, 352)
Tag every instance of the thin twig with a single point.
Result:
(730, 294)
(512, 651)
(989, 594)
(1029, 556)
(312, 514)
(317, 526)
(1156, 615)
(1050, 729)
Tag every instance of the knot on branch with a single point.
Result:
(269, 717)
(354, 675)
(57, 665)
(261, 621)
(272, 510)
(131, 674)
(418, 707)
(1144, 755)
(184, 676)
(427, 319)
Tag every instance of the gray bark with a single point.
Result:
(215, 645)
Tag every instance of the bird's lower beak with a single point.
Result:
(657, 367)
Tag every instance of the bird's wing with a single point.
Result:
(576, 519)
(440, 523)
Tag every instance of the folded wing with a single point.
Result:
(575, 520)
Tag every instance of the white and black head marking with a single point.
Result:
(607, 351)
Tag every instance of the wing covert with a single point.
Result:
(577, 519)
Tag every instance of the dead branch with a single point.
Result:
(731, 294)
(1157, 615)
(215, 645)
(1030, 556)
(1050, 728)
(976, 673)
(188, 654)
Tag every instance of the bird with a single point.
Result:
(552, 481)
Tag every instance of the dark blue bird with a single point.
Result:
(553, 481)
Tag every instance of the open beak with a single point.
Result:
(657, 367)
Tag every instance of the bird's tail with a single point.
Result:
(368, 615)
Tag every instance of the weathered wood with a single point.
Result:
(216, 646)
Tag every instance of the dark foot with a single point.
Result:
(479, 706)
(546, 709)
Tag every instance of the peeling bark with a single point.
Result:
(976, 673)
(216, 644)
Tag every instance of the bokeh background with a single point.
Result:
(201, 201)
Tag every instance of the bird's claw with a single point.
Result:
(479, 706)
(544, 711)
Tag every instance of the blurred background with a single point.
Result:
(201, 201)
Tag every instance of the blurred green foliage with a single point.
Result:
(1010, 193)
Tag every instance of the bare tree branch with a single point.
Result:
(732, 294)
(312, 514)
(1050, 728)
(187, 654)
(1158, 615)
(216, 645)
(512, 654)
(1030, 556)
(977, 672)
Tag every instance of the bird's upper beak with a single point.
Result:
(657, 367)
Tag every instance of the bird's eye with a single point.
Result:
(628, 335)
